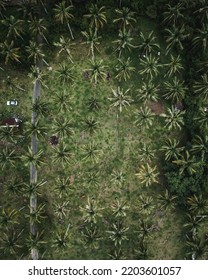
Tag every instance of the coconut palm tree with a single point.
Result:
(33, 158)
(117, 254)
(14, 187)
(192, 222)
(119, 208)
(61, 239)
(118, 233)
(148, 43)
(90, 124)
(145, 205)
(38, 76)
(145, 229)
(120, 99)
(40, 108)
(28, 9)
(93, 179)
(142, 251)
(61, 209)
(124, 42)
(91, 152)
(62, 186)
(202, 12)
(10, 242)
(92, 40)
(167, 200)
(38, 29)
(197, 247)
(187, 163)
(200, 145)
(64, 47)
(9, 51)
(91, 212)
(150, 66)
(91, 236)
(200, 40)
(35, 52)
(38, 129)
(35, 241)
(7, 134)
(13, 26)
(11, 84)
(36, 214)
(175, 90)
(201, 87)
(148, 91)
(62, 155)
(197, 204)
(173, 14)
(146, 152)
(118, 178)
(65, 73)
(171, 149)
(125, 17)
(93, 104)
(174, 66)
(175, 37)
(96, 16)
(8, 218)
(147, 175)
(144, 117)
(63, 128)
(202, 119)
(62, 100)
(63, 14)
(97, 71)
(33, 188)
(173, 118)
(7, 158)
(124, 69)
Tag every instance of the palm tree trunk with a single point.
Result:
(92, 50)
(70, 31)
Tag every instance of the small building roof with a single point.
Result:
(10, 122)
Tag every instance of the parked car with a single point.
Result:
(12, 103)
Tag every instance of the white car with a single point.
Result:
(12, 103)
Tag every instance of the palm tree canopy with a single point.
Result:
(120, 99)
(148, 43)
(124, 69)
(201, 87)
(65, 46)
(9, 51)
(173, 118)
(174, 66)
(14, 26)
(125, 17)
(148, 91)
(144, 117)
(175, 90)
(150, 66)
(97, 16)
(62, 12)
(147, 175)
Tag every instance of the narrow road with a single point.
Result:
(33, 170)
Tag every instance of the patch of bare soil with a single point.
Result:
(157, 107)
